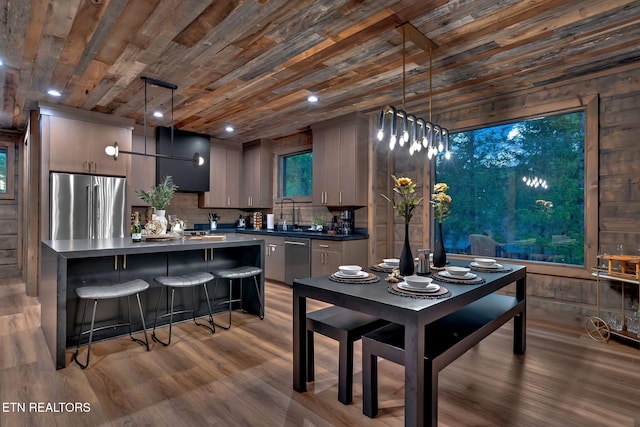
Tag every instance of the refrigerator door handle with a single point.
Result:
(89, 210)
(96, 211)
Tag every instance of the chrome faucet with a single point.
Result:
(293, 210)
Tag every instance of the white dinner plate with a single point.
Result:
(475, 264)
(467, 276)
(360, 275)
(429, 289)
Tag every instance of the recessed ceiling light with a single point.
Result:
(54, 92)
(157, 114)
(1, 63)
(312, 98)
(229, 128)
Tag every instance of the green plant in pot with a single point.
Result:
(159, 197)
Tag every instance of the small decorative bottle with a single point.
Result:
(136, 229)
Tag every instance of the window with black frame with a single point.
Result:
(518, 190)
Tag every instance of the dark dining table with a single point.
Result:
(414, 313)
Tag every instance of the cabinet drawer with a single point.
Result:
(326, 245)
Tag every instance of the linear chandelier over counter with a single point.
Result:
(114, 150)
(406, 128)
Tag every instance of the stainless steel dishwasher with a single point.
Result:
(297, 259)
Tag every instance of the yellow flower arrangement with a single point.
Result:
(405, 187)
(441, 201)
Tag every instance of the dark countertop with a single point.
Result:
(85, 248)
(305, 234)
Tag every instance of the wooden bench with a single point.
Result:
(344, 326)
(447, 339)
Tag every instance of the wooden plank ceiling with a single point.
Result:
(252, 63)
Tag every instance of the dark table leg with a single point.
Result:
(414, 387)
(520, 320)
(299, 342)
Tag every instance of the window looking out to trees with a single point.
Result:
(3, 170)
(296, 174)
(518, 190)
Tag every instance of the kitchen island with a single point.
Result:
(69, 264)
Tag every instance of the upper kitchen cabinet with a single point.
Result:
(340, 161)
(76, 141)
(142, 169)
(224, 177)
(257, 168)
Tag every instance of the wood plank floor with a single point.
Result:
(242, 377)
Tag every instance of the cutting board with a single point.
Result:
(209, 237)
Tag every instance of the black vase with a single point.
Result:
(406, 258)
(439, 253)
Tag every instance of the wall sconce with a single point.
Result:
(416, 132)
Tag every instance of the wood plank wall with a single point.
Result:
(9, 225)
(564, 298)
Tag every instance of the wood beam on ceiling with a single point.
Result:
(419, 39)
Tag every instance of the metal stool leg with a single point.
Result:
(153, 335)
(230, 301)
(212, 328)
(93, 318)
(260, 311)
(206, 294)
(146, 342)
(155, 322)
(260, 300)
(144, 326)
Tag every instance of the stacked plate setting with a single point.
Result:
(351, 272)
(390, 263)
(419, 284)
(458, 273)
(488, 263)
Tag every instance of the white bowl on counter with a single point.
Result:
(350, 270)
(485, 262)
(457, 271)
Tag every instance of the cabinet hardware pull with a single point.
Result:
(340, 197)
(287, 242)
(124, 262)
(206, 252)
(324, 246)
(115, 262)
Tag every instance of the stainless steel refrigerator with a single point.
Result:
(87, 206)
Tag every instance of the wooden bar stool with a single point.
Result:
(96, 293)
(344, 326)
(238, 273)
(183, 281)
